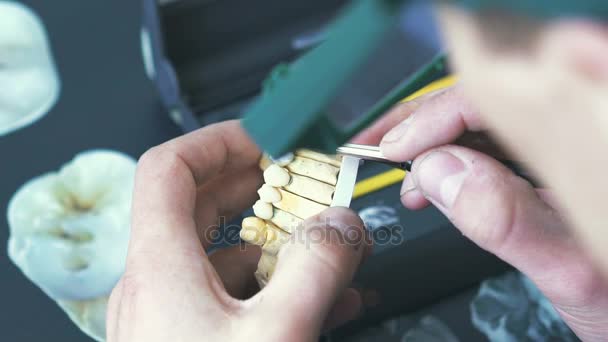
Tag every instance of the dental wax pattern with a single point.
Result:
(69, 232)
(29, 84)
(293, 192)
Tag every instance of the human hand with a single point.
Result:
(172, 290)
(497, 210)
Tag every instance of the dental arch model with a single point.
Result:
(69, 232)
(29, 84)
(294, 190)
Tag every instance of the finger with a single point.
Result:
(411, 197)
(235, 267)
(499, 211)
(539, 124)
(438, 121)
(373, 134)
(481, 141)
(234, 192)
(548, 197)
(166, 185)
(225, 197)
(313, 270)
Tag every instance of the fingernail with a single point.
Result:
(440, 176)
(408, 185)
(397, 132)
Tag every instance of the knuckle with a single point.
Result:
(456, 99)
(159, 161)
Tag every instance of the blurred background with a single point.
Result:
(106, 101)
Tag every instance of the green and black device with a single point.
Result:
(299, 105)
(295, 108)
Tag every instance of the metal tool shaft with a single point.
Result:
(373, 153)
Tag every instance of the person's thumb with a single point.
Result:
(497, 210)
(313, 270)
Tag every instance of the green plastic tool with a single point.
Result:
(294, 109)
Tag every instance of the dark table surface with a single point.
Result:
(106, 102)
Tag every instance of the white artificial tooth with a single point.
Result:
(269, 194)
(276, 176)
(254, 230)
(29, 84)
(300, 187)
(263, 210)
(69, 232)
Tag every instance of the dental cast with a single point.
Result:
(293, 192)
(29, 84)
(69, 232)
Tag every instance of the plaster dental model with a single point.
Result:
(29, 85)
(69, 232)
(294, 190)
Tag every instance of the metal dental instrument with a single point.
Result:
(373, 153)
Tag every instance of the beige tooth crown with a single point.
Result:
(254, 230)
(269, 194)
(263, 210)
(292, 192)
(276, 176)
